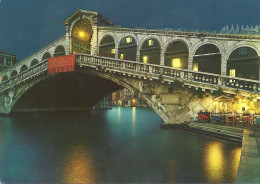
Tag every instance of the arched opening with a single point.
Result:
(207, 58)
(34, 62)
(176, 55)
(127, 49)
(81, 37)
(59, 51)
(150, 52)
(4, 78)
(14, 73)
(243, 62)
(107, 47)
(23, 68)
(47, 55)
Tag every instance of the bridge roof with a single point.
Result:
(101, 20)
(7, 54)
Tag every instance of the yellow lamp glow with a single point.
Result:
(232, 73)
(176, 62)
(145, 59)
(121, 56)
(112, 51)
(128, 40)
(195, 67)
(82, 34)
(150, 42)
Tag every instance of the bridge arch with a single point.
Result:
(14, 73)
(59, 51)
(243, 61)
(150, 50)
(207, 58)
(23, 68)
(46, 55)
(127, 47)
(107, 46)
(34, 62)
(176, 54)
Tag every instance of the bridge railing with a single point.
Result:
(169, 73)
(34, 70)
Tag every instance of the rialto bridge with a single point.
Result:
(177, 73)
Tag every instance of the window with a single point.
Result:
(2, 61)
(8, 61)
(150, 42)
(176, 62)
(242, 51)
(145, 59)
(232, 72)
(121, 56)
(112, 51)
(128, 39)
(195, 67)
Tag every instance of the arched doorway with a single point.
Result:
(207, 58)
(59, 51)
(176, 55)
(23, 68)
(81, 37)
(243, 62)
(150, 52)
(14, 73)
(34, 62)
(127, 49)
(107, 47)
(45, 56)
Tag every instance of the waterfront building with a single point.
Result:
(6, 60)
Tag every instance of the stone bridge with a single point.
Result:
(176, 73)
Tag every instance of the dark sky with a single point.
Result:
(28, 25)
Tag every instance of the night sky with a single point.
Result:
(28, 25)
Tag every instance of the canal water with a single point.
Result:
(114, 146)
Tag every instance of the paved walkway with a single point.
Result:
(249, 167)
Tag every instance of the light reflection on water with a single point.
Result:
(122, 145)
(79, 167)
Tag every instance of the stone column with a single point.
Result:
(116, 52)
(223, 65)
(68, 40)
(162, 57)
(137, 55)
(190, 62)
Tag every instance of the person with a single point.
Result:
(201, 116)
(207, 116)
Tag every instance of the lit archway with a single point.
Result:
(81, 37)
(150, 52)
(107, 47)
(127, 48)
(34, 62)
(176, 55)
(59, 51)
(244, 62)
(207, 58)
(14, 73)
(45, 56)
(23, 68)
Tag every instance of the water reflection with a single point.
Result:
(134, 122)
(79, 167)
(214, 162)
(236, 154)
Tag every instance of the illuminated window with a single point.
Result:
(150, 42)
(112, 51)
(145, 59)
(232, 72)
(128, 39)
(121, 56)
(176, 63)
(195, 67)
